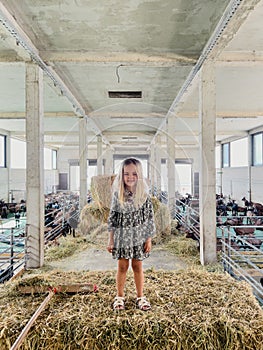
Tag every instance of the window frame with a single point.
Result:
(253, 148)
(4, 163)
(225, 162)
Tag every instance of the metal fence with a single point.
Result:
(242, 259)
(241, 254)
(63, 221)
(12, 257)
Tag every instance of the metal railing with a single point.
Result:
(12, 257)
(242, 255)
(242, 259)
(187, 216)
(13, 239)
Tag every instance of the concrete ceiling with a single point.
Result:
(89, 48)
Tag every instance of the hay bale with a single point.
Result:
(100, 188)
(162, 219)
(191, 309)
(91, 217)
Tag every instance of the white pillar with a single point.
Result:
(207, 189)
(8, 162)
(158, 164)
(109, 162)
(99, 155)
(249, 167)
(171, 160)
(152, 166)
(35, 166)
(83, 162)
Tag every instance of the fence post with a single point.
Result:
(12, 252)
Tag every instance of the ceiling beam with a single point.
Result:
(240, 58)
(110, 58)
(121, 116)
(128, 115)
(129, 133)
(223, 114)
(21, 115)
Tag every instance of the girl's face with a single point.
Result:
(130, 177)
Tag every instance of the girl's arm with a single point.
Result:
(110, 242)
(148, 245)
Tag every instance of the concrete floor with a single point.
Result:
(100, 260)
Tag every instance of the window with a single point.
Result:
(218, 157)
(2, 151)
(47, 158)
(54, 159)
(257, 149)
(239, 152)
(17, 154)
(226, 155)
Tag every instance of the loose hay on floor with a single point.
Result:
(191, 309)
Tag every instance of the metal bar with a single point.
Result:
(26, 329)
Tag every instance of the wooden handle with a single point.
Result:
(25, 330)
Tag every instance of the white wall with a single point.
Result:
(65, 154)
(236, 184)
(17, 183)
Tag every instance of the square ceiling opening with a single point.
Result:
(125, 94)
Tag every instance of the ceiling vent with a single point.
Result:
(125, 94)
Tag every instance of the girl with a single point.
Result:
(131, 227)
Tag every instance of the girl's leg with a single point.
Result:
(138, 276)
(123, 265)
(142, 303)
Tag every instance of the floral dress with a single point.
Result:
(131, 227)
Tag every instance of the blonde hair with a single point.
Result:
(141, 186)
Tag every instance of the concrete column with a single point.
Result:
(152, 166)
(83, 162)
(158, 164)
(35, 166)
(207, 189)
(171, 160)
(249, 167)
(99, 155)
(8, 162)
(109, 162)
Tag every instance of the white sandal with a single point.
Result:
(118, 303)
(143, 304)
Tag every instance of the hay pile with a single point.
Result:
(65, 247)
(191, 309)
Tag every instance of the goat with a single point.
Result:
(242, 231)
(255, 207)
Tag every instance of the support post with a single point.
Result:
(35, 166)
(171, 160)
(83, 162)
(207, 189)
(99, 155)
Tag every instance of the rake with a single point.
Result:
(69, 289)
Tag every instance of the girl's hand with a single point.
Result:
(110, 242)
(148, 245)
(110, 245)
